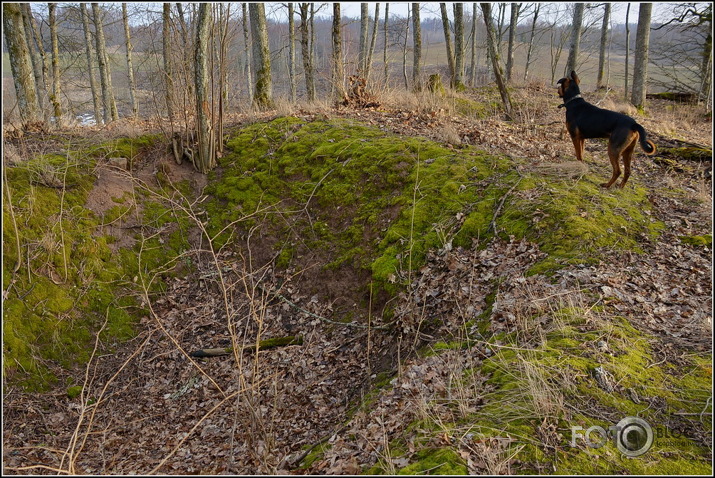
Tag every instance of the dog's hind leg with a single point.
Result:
(613, 154)
(627, 156)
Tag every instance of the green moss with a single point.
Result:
(439, 461)
(74, 281)
(74, 391)
(706, 240)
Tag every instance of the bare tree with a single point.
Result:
(417, 48)
(513, 19)
(96, 102)
(537, 8)
(458, 45)
(575, 37)
(473, 67)
(105, 75)
(130, 69)
(247, 42)
(640, 67)
(362, 51)
(628, 49)
(448, 41)
(373, 39)
(40, 64)
(291, 52)
(494, 55)
(261, 56)
(306, 48)
(20, 63)
(205, 160)
(602, 47)
(55, 95)
(168, 67)
(384, 49)
(338, 71)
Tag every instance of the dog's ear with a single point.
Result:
(574, 77)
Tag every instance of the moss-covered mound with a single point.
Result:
(60, 276)
(374, 200)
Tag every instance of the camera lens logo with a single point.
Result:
(634, 436)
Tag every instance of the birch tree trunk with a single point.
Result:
(602, 47)
(130, 69)
(494, 55)
(338, 74)
(249, 60)
(20, 63)
(575, 38)
(458, 45)
(513, 19)
(306, 50)
(40, 65)
(417, 47)
(205, 159)
(373, 40)
(291, 51)
(263, 97)
(96, 101)
(55, 95)
(105, 74)
(448, 41)
(640, 67)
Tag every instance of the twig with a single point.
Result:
(493, 224)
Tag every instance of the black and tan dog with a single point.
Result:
(584, 121)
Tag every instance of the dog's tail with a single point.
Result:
(646, 144)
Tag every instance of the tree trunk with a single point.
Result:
(20, 63)
(458, 45)
(130, 69)
(417, 47)
(575, 38)
(37, 55)
(384, 49)
(640, 67)
(531, 41)
(105, 74)
(263, 98)
(448, 41)
(473, 67)
(205, 159)
(168, 70)
(338, 73)
(604, 43)
(628, 49)
(362, 52)
(373, 40)
(514, 18)
(96, 102)
(291, 51)
(247, 41)
(55, 95)
(306, 49)
(494, 55)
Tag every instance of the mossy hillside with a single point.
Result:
(68, 281)
(375, 200)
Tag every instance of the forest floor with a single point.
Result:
(475, 365)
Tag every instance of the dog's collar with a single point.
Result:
(569, 100)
